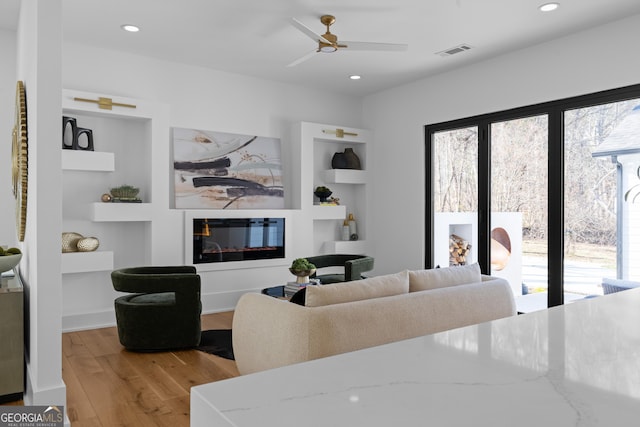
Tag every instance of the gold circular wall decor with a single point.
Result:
(19, 155)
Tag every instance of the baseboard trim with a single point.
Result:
(214, 302)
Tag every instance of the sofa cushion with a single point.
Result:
(356, 290)
(423, 280)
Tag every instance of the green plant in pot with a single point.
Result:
(125, 192)
(322, 193)
(9, 258)
(302, 269)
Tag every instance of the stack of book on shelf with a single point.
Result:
(292, 287)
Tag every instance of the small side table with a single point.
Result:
(12, 337)
(274, 291)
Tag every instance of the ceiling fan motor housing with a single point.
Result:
(325, 47)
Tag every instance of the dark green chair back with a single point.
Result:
(354, 266)
(161, 310)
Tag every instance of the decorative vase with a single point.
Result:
(302, 276)
(70, 241)
(322, 195)
(353, 161)
(88, 244)
(339, 161)
(353, 231)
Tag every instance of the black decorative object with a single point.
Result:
(346, 160)
(338, 161)
(84, 139)
(69, 127)
(75, 138)
(322, 193)
(353, 161)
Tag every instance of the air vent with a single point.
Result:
(454, 50)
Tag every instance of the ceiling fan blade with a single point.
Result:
(388, 47)
(308, 31)
(303, 58)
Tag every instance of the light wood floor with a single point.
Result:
(109, 386)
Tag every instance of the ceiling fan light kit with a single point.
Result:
(328, 42)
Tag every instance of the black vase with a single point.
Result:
(338, 161)
(346, 160)
(353, 161)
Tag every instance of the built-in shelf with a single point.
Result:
(329, 212)
(345, 247)
(345, 176)
(81, 160)
(111, 212)
(84, 262)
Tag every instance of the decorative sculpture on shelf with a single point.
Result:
(346, 160)
(74, 137)
(322, 193)
(76, 242)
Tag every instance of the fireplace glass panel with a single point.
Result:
(237, 239)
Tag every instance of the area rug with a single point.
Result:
(217, 342)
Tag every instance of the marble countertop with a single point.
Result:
(575, 365)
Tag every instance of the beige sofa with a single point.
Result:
(338, 318)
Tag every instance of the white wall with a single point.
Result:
(7, 96)
(594, 60)
(38, 65)
(203, 99)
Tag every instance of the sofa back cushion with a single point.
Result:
(423, 280)
(357, 290)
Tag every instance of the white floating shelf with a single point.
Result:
(80, 160)
(105, 212)
(356, 247)
(83, 262)
(329, 212)
(345, 176)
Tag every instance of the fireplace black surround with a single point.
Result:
(218, 240)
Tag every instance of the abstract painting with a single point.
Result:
(217, 170)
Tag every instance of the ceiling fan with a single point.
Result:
(328, 42)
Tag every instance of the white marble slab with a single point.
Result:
(576, 365)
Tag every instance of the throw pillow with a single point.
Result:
(422, 280)
(373, 287)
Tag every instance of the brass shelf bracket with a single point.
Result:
(339, 133)
(105, 103)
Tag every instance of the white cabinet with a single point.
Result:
(317, 145)
(122, 143)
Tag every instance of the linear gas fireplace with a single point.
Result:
(237, 239)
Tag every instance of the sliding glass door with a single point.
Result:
(519, 183)
(455, 196)
(546, 196)
(602, 145)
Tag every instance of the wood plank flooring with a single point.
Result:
(109, 386)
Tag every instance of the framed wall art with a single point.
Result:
(217, 170)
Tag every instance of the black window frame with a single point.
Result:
(554, 110)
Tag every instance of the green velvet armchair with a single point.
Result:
(162, 310)
(354, 266)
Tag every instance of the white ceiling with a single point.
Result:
(255, 37)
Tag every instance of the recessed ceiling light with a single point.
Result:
(355, 77)
(548, 7)
(130, 28)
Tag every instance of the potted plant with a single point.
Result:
(302, 269)
(9, 258)
(322, 193)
